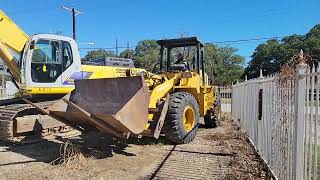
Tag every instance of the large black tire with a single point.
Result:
(181, 104)
(211, 119)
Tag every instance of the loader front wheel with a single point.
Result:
(181, 124)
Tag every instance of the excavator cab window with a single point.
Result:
(46, 64)
(50, 58)
(66, 55)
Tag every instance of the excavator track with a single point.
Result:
(22, 123)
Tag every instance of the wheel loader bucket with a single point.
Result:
(111, 105)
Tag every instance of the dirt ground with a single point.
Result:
(219, 153)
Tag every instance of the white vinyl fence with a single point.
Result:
(7, 88)
(6, 93)
(281, 116)
(225, 94)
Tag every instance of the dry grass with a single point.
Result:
(226, 116)
(70, 156)
(245, 163)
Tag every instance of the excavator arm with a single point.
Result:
(12, 41)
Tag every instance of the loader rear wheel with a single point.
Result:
(211, 119)
(181, 124)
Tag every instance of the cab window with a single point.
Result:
(66, 55)
(46, 63)
(46, 51)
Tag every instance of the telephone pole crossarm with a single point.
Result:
(74, 14)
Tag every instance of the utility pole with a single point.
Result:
(128, 48)
(74, 23)
(74, 13)
(116, 46)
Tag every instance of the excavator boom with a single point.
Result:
(12, 42)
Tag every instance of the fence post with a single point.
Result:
(259, 125)
(299, 121)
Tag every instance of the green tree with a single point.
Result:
(266, 56)
(128, 53)
(146, 54)
(223, 65)
(312, 43)
(270, 56)
(96, 54)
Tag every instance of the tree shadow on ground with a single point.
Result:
(43, 151)
(94, 145)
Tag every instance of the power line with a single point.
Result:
(107, 48)
(238, 41)
(241, 43)
(245, 40)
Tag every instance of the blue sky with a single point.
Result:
(134, 20)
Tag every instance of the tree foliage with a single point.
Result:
(128, 53)
(223, 65)
(96, 54)
(270, 56)
(147, 54)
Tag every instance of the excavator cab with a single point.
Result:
(48, 61)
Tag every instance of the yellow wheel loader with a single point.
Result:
(142, 103)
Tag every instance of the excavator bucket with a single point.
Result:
(112, 105)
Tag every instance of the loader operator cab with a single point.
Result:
(183, 54)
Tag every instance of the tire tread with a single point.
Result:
(173, 129)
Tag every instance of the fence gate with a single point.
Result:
(225, 94)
